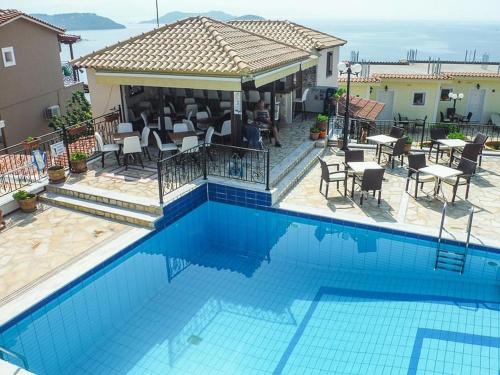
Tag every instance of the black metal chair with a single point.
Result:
(481, 139)
(415, 163)
(442, 118)
(396, 132)
(470, 152)
(335, 176)
(466, 120)
(437, 133)
(467, 167)
(371, 180)
(393, 152)
(353, 156)
(419, 123)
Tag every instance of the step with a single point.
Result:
(111, 198)
(452, 256)
(280, 170)
(447, 267)
(125, 215)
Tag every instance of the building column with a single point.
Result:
(272, 110)
(161, 112)
(236, 118)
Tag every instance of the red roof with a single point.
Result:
(361, 108)
(9, 15)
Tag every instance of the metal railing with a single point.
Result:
(10, 353)
(218, 160)
(419, 131)
(18, 167)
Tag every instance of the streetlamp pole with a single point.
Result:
(157, 16)
(349, 69)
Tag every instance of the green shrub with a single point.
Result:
(456, 135)
(22, 195)
(78, 110)
(314, 129)
(76, 156)
(409, 140)
(29, 139)
(322, 118)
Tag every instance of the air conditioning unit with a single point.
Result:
(52, 111)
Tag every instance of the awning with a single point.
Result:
(274, 75)
(169, 80)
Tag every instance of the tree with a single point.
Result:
(78, 110)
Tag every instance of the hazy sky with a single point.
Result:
(131, 11)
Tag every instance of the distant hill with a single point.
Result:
(79, 21)
(216, 15)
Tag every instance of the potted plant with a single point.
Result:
(56, 174)
(322, 124)
(314, 133)
(78, 161)
(31, 143)
(26, 201)
(408, 143)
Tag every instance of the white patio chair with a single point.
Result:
(168, 123)
(145, 141)
(225, 130)
(253, 96)
(301, 102)
(225, 96)
(208, 137)
(180, 127)
(151, 125)
(132, 147)
(213, 95)
(191, 127)
(181, 93)
(167, 110)
(199, 94)
(191, 110)
(189, 101)
(189, 144)
(225, 105)
(163, 147)
(124, 127)
(106, 148)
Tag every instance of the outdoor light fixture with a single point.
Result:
(455, 97)
(478, 86)
(386, 88)
(348, 68)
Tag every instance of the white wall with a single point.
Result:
(102, 97)
(322, 79)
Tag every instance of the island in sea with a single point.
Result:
(79, 21)
(215, 14)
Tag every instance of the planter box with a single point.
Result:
(314, 136)
(28, 205)
(56, 174)
(78, 166)
(31, 145)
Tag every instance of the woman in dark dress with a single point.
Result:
(263, 119)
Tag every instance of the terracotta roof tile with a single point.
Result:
(474, 74)
(9, 15)
(291, 33)
(372, 79)
(194, 45)
(361, 108)
(436, 77)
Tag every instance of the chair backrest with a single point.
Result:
(450, 112)
(471, 151)
(225, 95)
(180, 127)
(201, 115)
(396, 132)
(469, 116)
(125, 127)
(145, 136)
(172, 107)
(325, 173)
(144, 117)
(189, 124)
(225, 105)
(168, 123)
(131, 145)
(438, 133)
(417, 161)
(399, 147)
(167, 110)
(304, 94)
(466, 166)
(372, 179)
(253, 96)
(189, 101)
(226, 128)
(189, 143)
(199, 94)
(209, 134)
(180, 92)
(209, 111)
(191, 108)
(213, 95)
(100, 143)
(354, 156)
(441, 115)
(158, 139)
(480, 138)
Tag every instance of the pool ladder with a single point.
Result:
(4, 351)
(452, 260)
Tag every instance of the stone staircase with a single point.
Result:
(120, 207)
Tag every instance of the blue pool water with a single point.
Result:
(234, 290)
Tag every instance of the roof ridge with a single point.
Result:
(207, 23)
(313, 30)
(19, 14)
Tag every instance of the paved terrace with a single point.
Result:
(398, 207)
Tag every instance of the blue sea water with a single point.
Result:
(233, 290)
(388, 40)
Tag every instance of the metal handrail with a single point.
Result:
(469, 229)
(441, 226)
(18, 356)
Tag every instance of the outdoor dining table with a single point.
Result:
(452, 144)
(380, 140)
(440, 172)
(179, 136)
(358, 167)
(119, 137)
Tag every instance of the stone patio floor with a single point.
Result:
(35, 246)
(399, 207)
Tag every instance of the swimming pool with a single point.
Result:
(235, 290)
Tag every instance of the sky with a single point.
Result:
(133, 11)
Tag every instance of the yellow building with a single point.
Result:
(420, 95)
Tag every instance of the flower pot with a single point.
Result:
(407, 148)
(314, 136)
(28, 205)
(322, 125)
(78, 166)
(56, 174)
(322, 134)
(31, 145)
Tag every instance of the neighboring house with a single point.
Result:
(409, 90)
(31, 78)
(325, 46)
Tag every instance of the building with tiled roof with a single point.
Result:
(30, 74)
(413, 90)
(325, 46)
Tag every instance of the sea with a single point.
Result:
(370, 40)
